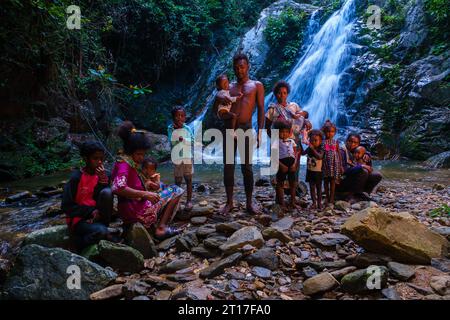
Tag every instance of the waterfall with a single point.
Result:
(315, 78)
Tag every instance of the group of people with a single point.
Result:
(142, 197)
(344, 169)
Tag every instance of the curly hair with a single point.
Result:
(176, 109)
(281, 84)
(88, 148)
(314, 133)
(328, 125)
(240, 56)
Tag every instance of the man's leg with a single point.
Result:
(247, 172)
(228, 173)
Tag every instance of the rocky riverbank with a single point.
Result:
(303, 255)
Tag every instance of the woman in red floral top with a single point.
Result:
(136, 204)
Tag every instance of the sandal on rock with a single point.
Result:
(169, 233)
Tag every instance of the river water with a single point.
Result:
(18, 219)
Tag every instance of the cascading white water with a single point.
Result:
(315, 78)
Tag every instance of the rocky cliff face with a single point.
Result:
(400, 89)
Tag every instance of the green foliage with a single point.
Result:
(285, 34)
(392, 76)
(442, 211)
(438, 12)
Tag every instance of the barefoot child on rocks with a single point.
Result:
(332, 165)
(314, 174)
(287, 162)
(180, 135)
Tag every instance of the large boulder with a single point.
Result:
(138, 238)
(398, 235)
(120, 257)
(246, 235)
(43, 273)
(52, 237)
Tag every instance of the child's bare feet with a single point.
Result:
(226, 209)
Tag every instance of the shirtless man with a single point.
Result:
(252, 95)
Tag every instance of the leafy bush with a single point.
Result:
(285, 34)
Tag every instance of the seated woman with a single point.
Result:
(87, 199)
(136, 204)
(358, 179)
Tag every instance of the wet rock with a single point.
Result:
(287, 260)
(167, 244)
(262, 272)
(329, 239)
(229, 227)
(18, 196)
(202, 211)
(364, 260)
(321, 283)
(309, 272)
(138, 238)
(41, 273)
(160, 283)
(186, 241)
(218, 267)
(338, 274)
(120, 257)
(342, 205)
(441, 285)
(264, 219)
(134, 288)
(401, 271)
(206, 230)
(199, 220)
(53, 211)
(385, 232)
(163, 295)
(264, 257)
(365, 280)
(438, 186)
(443, 231)
(214, 242)
(321, 265)
(441, 264)
(52, 237)
(111, 292)
(175, 265)
(262, 182)
(273, 233)
(391, 293)
(283, 224)
(5, 266)
(198, 292)
(92, 253)
(141, 298)
(203, 252)
(182, 277)
(246, 235)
